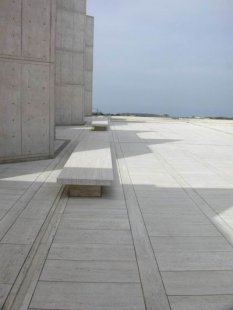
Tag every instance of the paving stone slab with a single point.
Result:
(24, 231)
(95, 252)
(218, 302)
(176, 218)
(12, 257)
(91, 271)
(4, 290)
(181, 229)
(77, 224)
(190, 244)
(93, 236)
(95, 214)
(195, 261)
(87, 296)
(198, 282)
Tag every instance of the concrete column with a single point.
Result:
(89, 46)
(27, 36)
(70, 49)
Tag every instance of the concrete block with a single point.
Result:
(70, 62)
(64, 30)
(27, 45)
(10, 122)
(78, 68)
(100, 125)
(88, 102)
(35, 109)
(80, 6)
(89, 58)
(89, 42)
(68, 107)
(66, 36)
(36, 29)
(77, 104)
(88, 80)
(10, 27)
(79, 34)
(72, 5)
(69, 68)
(89, 30)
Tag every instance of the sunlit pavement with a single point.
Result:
(160, 238)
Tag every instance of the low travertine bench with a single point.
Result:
(100, 125)
(89, 166)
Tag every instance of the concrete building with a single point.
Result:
(42, 44)
(70, 62)
(89, 64)
(27, 32)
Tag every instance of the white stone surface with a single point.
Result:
(100, 124)
(90, 162)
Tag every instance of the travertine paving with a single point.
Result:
(160, 238)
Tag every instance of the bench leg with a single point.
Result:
(84, 191)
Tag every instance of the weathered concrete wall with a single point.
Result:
(89, 46)
(27, 40)
(70, 68)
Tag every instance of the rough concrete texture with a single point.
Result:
(89, 37)
(27, 31)
(70, 67)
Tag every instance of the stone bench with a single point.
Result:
(89, 166)
(100, 125)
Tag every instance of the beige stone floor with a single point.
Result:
(160, 238)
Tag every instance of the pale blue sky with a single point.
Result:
(163, 56)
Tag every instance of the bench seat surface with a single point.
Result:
(103, 123)
(90, 163)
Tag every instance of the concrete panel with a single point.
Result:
(63, 108)
(88, 80)
(68, 107)
(80, 6)
(79, 34)
(10, 119)
(10, 27)
(88, 102)
(77, 104)
(89, 30)
(89, 42)
(78, 68)
(58, 68)
(27, 41)
(64, 30)
(69, 68)
(70, 32)
(70, 62)
(89, 58)
(72, 5)
(35, 109)
(36, 29)
(66, 67)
